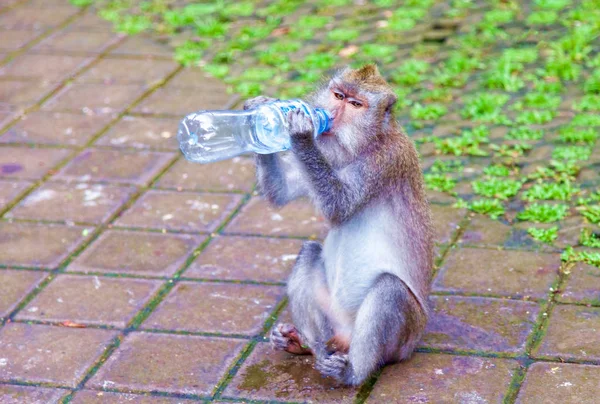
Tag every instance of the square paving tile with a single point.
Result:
(25, 394)
(498, 272)
(179, 211)
(583, 285)
(55, 128)
(142, 133)
(72, 202)
(10, 190)
(94, 98)
(90, 300)
(217, 308)
(182, 101)
(24, 162)
(481, 324)
(171, 363)
(550, 383)
(30, 244)
(246, 258)
(31, 18)
(237, 174)
(438, 378)
(573, 332)
(298, 218)
(48, 67)
(128, 71)
(136, 253)
(103, 397)
(115, 166)
(277, 375)
(483, 231)
(142, 45)
(16, 39)
(446, 220)
(77, 41)
(39, 353)
(20, 94)
(14, 286)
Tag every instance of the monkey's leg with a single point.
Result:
(388, 326)
(306, 289)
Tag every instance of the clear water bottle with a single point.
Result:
(209, 136)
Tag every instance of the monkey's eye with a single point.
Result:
(339, 96)
(356, 104)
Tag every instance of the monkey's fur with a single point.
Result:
(358, 301)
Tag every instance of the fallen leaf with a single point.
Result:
(348, 51)
(280, 31)
(72, 324)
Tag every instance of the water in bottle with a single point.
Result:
(208, 136)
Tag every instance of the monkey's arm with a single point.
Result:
(279, 176)
(338, 198)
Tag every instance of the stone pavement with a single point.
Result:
(128, 274)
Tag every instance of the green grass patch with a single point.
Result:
(439, 182)
(590, 212)
(589, 239)
(485, 107)
(524, 133)
(543, 213)
(544, 235)
(497, 188)
(572, 134)
(572, 153)
(570, 255)
(563, 191)
(491, 207)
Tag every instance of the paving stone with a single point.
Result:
(28, 163)
(498, 272)
(549, 383)
(216, 308)
(172, 363)
(439, 378)
(246, 258)
(55, 128)
(142, 133)
(583, 285)
(39, 353)
(51, 68)
(237, 174)
(115, 166)
(72, 202)
(18, 95)
(182, 101)
(298, 218)
(277, 375)
(26, 394)
(14, 286)
(77, 41)
(483, 231)
(16, 39)
(573, 332)
(148, 72)
(94, 98)
(90, 300)
(104, 397)
(196, 77)
(446, 220)
(30, 244)
(481, 324)
(184, 211)
(143, 45)
(90, 22)
(10, 190)
(32, 18)
(136, 253)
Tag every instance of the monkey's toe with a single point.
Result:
(334, 365)
(285, 337)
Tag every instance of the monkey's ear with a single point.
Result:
(390, 101)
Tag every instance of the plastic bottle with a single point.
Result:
(209, 136)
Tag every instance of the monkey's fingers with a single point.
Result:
(256, 101)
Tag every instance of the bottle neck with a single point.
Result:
(324, 119)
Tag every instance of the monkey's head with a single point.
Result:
(361, 104)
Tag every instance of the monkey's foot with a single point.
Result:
(335, 365)
(286, 337)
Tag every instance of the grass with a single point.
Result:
(545, 235)
(543, 213)
(498, 188)
(491, 207)
(589, 239)
(562, 191)
(485, 107)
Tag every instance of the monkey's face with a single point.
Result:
(350, 111)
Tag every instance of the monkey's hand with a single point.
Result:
(256, 101)
(301, 129)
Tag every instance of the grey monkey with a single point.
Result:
(359, 301)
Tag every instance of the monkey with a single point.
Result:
(359, 300)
